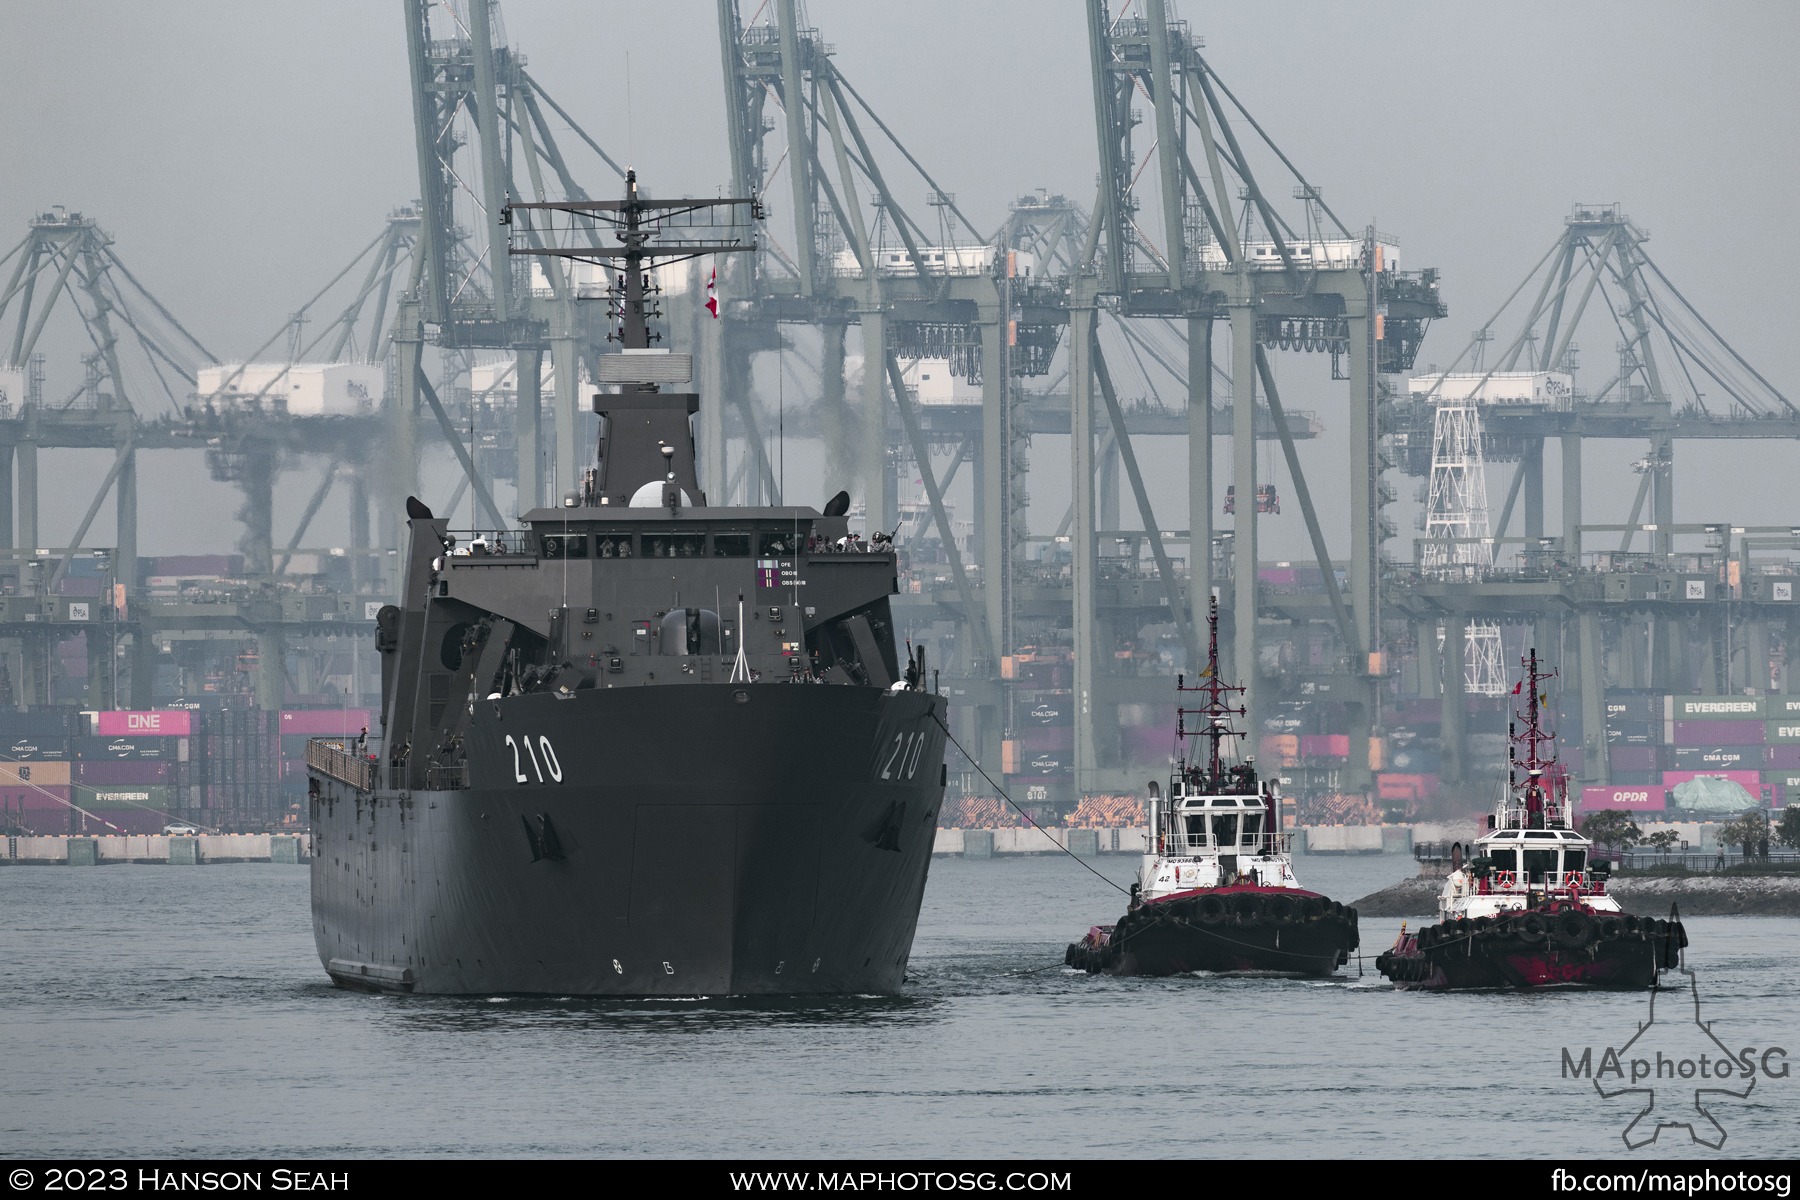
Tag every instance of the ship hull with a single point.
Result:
(703, 839)
(1566, 948)
(1235, 929)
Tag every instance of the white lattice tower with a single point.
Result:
(1457, 508)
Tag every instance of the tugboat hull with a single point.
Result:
(1262, 930)
(681, 854)
(1569, 948)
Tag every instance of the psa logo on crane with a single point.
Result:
(1677, 1067)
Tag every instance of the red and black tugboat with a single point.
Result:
(1217, 889)
(1530, 909)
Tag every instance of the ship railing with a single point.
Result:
(490, 543)
(340, 760)
(1200, 844)
(1553, 883)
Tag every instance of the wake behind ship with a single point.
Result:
(642, 746)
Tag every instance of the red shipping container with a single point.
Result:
(1626, 797)
(36, 809)
(324, 722)
(1719, 733)
(168, 722)
(108, 772)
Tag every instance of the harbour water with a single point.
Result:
(158, 1011)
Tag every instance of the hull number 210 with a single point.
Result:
(541, 758)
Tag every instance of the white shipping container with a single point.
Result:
(1536, 389)
(939, 260)
(930, 380)
(1337, 255)
(300, 389)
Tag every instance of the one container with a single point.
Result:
(1633, 758)
(175, 722)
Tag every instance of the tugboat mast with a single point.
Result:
(1216, 708)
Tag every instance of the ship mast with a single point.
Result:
(1216, 709)
(1544, 788)
(647, 438)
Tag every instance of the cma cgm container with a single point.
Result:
(1720, 758)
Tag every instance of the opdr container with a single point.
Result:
(1625, 797)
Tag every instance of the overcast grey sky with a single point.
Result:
(239, 154)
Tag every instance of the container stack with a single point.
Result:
(240, 769)
(1039, 758)
(36, 749)
(126, 767)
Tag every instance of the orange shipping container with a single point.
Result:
(43, 774)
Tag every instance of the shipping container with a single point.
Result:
(1714, 708)
(1778, 708)
(1636, 777)
(36, 810)
(325, 722)
(1334, 746)
(1280, 749)
(1782, 729)
(106, 772)
(1720, 758)
(1634, 733)
(1633, 758)
(1783, 757)
(38, 723)
(122, 748)
(38, 774)
(37, 749)
(1633, 706)
(1415, 762)
(177, 722)
(1787, 781)
(1048, 737)
(1624, 797)
(1718, 733)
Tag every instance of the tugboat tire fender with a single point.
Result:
(1210, 910)
(1574, 928)
(1279, 910)
(1310, 909)
(1530, 928)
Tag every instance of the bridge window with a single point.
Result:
(565, 545)
(772, 545)
(613, 545)
(731, 545)
(1539, 863)
(674, 545)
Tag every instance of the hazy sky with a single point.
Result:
(239, 154)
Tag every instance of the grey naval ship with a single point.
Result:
(641, 746)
